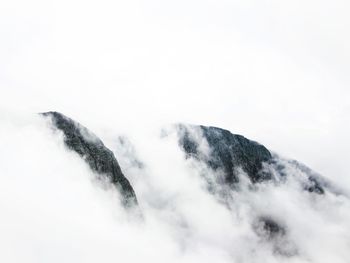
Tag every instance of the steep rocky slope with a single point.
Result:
(92, 150)
(231, 154)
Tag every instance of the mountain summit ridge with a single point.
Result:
(93, 151)
(230, 152)
(226, 152)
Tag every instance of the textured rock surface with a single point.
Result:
(276, 235)
(227, 152)
(223, 151)
(268, 228)
(100, 159)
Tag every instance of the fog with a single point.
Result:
(274, 71)
(54, 209)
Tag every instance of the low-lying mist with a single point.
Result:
(274, 71)
(54, 210)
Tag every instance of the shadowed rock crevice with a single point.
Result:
(268, 228)
(100, 159)
(276, 234)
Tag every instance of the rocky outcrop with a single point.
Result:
(268, 228)
(228, 155)
(90, 148)
(276, 234)
(227, 152)
(221, 150)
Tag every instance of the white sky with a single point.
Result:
(275, 71)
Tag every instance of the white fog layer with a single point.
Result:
(276, 72)
(53, 208)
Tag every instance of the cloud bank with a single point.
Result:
(54, 209)
(276, 72)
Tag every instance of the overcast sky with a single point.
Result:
(275, 71)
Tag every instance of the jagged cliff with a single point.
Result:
(92, 150)
(229, 152)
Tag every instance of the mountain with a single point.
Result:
(229, 157)
(231, 154)
(92, 150)
(227, 152)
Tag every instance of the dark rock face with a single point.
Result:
(221, 150)
(268, 228)
(315, 186)
(276, 234)
(100, 159)
(227, 152)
